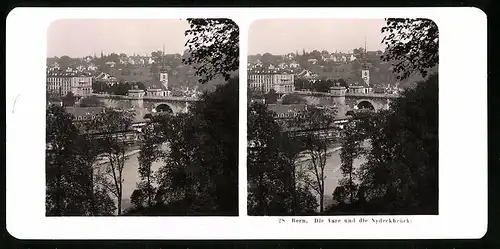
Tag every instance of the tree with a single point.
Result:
(112, 126)
(412, 45)
(64, 62)
(400, 148)
(157, 57)
(313, 122)
(70, 176)
(262, 138)
(213, 46)
(268, 59)
(90, 101)
(60, 134)
(121, 88)
(275, 180)
(352, 139)
(69, 99)
(404, 174)
(200, 171)
(293, 98)
(271, 97)
(322, 86)
(149, 152)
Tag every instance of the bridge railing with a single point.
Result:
(347, 94)
(125, 97)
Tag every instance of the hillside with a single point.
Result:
(381, 72)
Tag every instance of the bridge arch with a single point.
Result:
(163, 107)
(366, 104)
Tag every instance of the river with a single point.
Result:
(333, 173)
(131, 175)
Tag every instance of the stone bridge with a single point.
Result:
(147, 104)
(348, 101)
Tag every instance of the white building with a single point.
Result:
(280, 83)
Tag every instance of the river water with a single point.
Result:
(131, 175)
(333, 173)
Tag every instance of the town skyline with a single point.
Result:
(128, 36)
(321, 34)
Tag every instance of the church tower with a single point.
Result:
(163, 71)
(365, 69)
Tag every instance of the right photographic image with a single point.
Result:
(342, 117)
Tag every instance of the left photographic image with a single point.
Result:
(142, 117)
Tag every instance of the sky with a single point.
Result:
(79, 38)
(281, 36)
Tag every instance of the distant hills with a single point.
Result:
(333, 66)
(180, 75)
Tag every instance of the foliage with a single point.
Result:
(90, 101)
(149, 153)
(271, 97)
(111, 127)
(214, 48)
(293, 99)
(200, 172)
(274, 182)
(115, 89)
(400, 175)
(322, 85)
(314, 122)
(69, 99)
(412, 45)
(71, 188)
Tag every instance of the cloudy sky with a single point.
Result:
(280, 36)
(78, 38)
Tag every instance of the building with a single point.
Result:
(286, 111)
(156, 92)
(283, 83)
(83, 114)
(261, 82)
(63, 83)
(280, 83)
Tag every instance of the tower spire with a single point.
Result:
(163, 58)
(365, 44)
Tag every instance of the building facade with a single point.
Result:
(280, 83)
(64, 83)
(283, 83)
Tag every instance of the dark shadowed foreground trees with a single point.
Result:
(71, 179)
(111, 126)
(412, 45)
(275, 180)
(400, 175)
(314, 121)
(200, 171)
